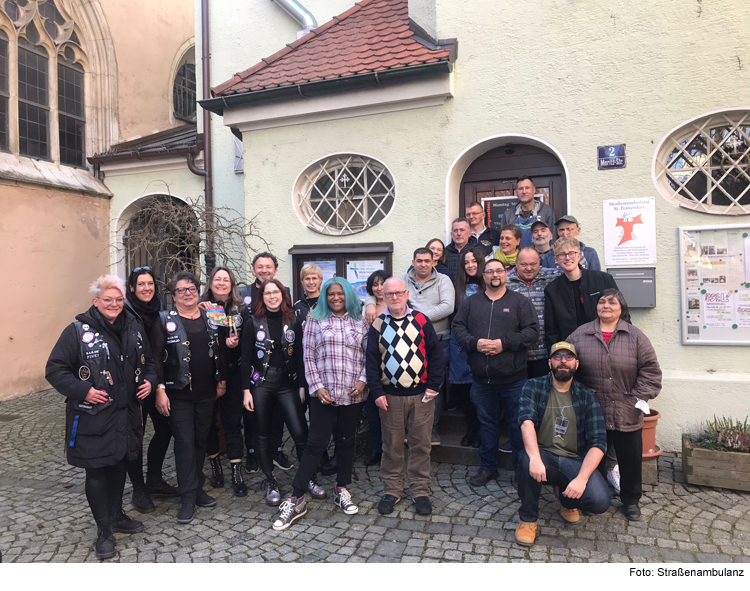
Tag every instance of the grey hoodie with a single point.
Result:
(435, 298)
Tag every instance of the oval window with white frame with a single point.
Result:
(344, 194)
(705, 164)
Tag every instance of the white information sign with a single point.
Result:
(630, 231)
(715, 284)
(357, 273)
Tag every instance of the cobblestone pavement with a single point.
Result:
(44, 516)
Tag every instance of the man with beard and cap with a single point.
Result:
(541, 238)
(564, 440)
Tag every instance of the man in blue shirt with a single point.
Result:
(567, 225)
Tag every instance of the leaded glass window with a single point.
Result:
(184, 94)
(71, 113)
(705, 165)
(33, 100)
(3, 92)
(345, 194)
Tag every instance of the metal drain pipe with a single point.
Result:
(299, 13)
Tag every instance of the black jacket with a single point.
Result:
(98, 435)
(511, 319)
(560, 307)
(256, 352)
(453, 257)
(487, 239)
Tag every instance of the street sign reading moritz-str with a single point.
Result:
(611, 157)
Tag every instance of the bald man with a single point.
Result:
(401, 346)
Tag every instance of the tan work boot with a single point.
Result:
(569, 515)
(526, 533)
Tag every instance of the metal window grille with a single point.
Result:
(184, 95)
(345, 194)
(705, 166)
(3, 92)
(71, 114)
(33, 101)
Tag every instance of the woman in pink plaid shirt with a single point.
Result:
(334, 344)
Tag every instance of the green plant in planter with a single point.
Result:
(725, 434)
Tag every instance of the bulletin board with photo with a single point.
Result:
(715, 284)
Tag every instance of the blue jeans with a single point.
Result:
(560, 471)
(440, 398)
(490, 400)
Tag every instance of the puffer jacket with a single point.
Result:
(620, 373)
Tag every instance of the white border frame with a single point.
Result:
(331, 155)
(683, 325)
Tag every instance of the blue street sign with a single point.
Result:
(611, 156)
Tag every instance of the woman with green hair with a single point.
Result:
(334, 345)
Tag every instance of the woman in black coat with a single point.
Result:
(102, 364)
(143, 298)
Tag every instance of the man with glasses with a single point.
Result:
(486, 237)
(529, 278)
(496, 327)
(564, 440)
(405, 367)
(570, 300)
(568, 226)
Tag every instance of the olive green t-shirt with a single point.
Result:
(558, 432)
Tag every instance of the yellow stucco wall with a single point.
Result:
(575, 75)
(53, 245)
(147, 37)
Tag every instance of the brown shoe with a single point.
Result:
(570, 515)
(526, 533)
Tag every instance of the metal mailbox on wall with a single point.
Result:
(637, 284)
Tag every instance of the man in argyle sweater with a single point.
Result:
(404, 371)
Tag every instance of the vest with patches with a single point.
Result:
(177, 352)
(260, 355)
(402, 350)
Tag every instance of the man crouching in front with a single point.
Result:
(564, 440)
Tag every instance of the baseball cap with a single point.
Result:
(539, 222)
(567, 218)
(563, 346)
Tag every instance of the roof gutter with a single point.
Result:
(320, 87)
(300, 14)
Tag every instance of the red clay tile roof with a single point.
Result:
(372, 36)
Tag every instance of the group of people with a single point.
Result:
(498, 322)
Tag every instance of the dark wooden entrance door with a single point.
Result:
(493, 177)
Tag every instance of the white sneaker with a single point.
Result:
(613, 477)
(343, 499)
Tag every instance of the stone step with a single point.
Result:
(451, 452)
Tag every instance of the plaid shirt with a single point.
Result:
(335, 356)
(589, 418)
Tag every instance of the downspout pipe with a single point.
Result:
(210, 256)
(300, 14)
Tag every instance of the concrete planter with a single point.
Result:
(722, 469)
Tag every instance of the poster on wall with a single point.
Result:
(358, 271)
(630, 231)
(715, 284)
(494, 208)
(328, 268)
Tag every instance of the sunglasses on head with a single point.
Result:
(139, 269)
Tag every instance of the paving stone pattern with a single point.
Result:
(44, 516)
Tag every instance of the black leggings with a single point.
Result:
(629, 449)
(286, 398)
(157, 448)
(325, 419)
(104, 488)
(191, 421)
(229, 407)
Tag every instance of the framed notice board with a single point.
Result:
(715, 284)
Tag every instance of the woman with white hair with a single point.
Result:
(102, 364)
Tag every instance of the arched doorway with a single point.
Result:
(158, 231)
(489, 170)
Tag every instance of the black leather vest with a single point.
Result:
(177, 352)
(261, 353)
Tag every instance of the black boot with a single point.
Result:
(156, 485)
(217, 473)
(238, 483)
(105, 539)
(142, 500)
(187, 510)
(120, 522)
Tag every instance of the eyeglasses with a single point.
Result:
(186, 290)
(271, 293)
(567, 255)
(564, 357)
(394, 294)
(494, 272)
(139, 269)
(108, 301)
